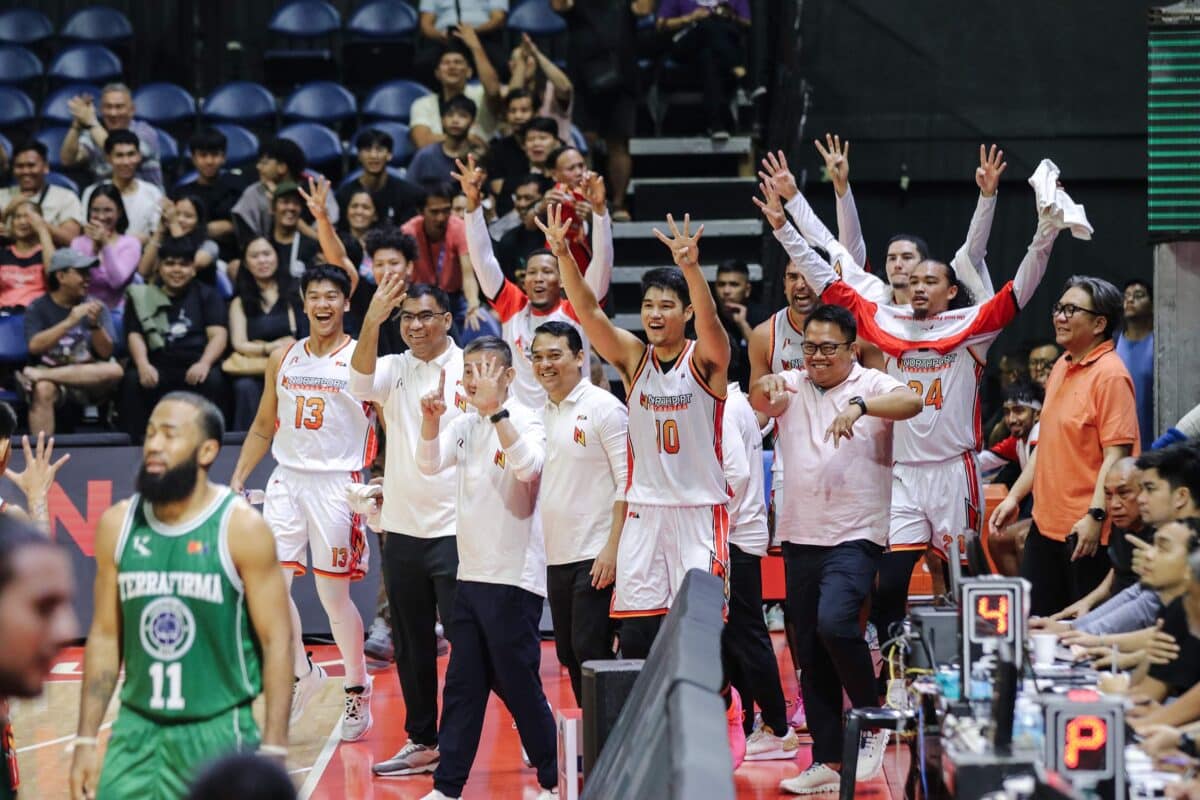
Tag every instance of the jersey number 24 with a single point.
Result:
(934, 396)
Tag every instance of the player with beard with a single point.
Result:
(677, 517)
(320, 436)
(938, 347)
(189, 598)
(539, 300)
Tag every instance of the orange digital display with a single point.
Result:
(992, 614)
(1084, 743)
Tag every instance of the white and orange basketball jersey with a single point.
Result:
(674, 435)
(950, 421)
(519, 320)
(786, 339)
(319, 425)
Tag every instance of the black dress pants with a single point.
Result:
(583, 630)
(746, 650)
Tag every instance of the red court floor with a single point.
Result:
(323, 767)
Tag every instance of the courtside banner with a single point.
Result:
(97, 477)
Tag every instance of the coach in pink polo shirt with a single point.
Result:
(834, 421)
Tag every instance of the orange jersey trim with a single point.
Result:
(297, 568)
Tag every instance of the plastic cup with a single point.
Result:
(1044, 647)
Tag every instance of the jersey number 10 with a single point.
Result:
(174, 678)
(666, 435)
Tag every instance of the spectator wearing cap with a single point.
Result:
(1135, 346)
(142, 199)
(442, 257)
(105, 236)
(57, 205)
(452, 72)
(279, 161)
(216, 188)
(433, 163)
(176, 331)
(395, 199)
(24, 259)
(295, 250)
(85, 142)
(1089, 423)
(70, 336)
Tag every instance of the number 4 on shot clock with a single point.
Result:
(993, 611)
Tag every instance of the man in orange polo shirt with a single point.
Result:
(1089, 422)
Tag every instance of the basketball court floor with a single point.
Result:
(324, 768)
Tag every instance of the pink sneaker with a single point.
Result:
(737, 734)
(799, 721)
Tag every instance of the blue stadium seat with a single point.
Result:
(239, 101)
(536, 18)
(303, 19)
(58, 179)
(7, 145)
(53, 139)
(18, 65)
(578, 140)
(241, 145)
(321, 146)
(25, 26)
(187, 179)
(85, 62)
(383, 19)
(398, 174)
(13, 349)
(320, 101)
(168, 148)
(392, 100)
(164, 103)
(15, 107)
(54, 107)
(98, 24)
(402, 146)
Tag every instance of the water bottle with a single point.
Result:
(254, 497)
(1028, 733)
(981, 691)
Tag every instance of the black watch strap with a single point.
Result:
(861, 403)
(1098, 514)
(499, 415)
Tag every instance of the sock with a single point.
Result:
(346, 626)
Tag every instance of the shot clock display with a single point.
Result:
(1085, 740)
(993, 610)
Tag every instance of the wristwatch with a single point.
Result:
(499, 415)
(1098, 514)
(862, 404)
(1187, 745)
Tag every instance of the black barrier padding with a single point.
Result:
(665, 729)
(604, 685)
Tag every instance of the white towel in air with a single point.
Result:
(1050, 195)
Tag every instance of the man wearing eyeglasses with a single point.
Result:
(1089, 423)
(420, 551)
(835, 420)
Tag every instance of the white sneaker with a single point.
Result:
(870, 754)
(817, 779)
(304, 689)
(764, 745)
(436, 795)
(412, 759)
(548, 794)
(379, 641)
(775, 619)
(356, 719)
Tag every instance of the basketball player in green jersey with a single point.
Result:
(190, 597)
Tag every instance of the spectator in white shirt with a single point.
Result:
(452, 72)
(57, 205)
(833, 522)
(582, 497)
(499, 450)
(420, 554)
(142, 199)
(746, 651)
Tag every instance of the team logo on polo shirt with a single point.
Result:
(580, 437)
(460, 402)
(498, 460)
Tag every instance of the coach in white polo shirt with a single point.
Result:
(835, 430)
(499, 447)
(582, 501)
(420, 555)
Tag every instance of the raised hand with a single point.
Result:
(317, 195)
(469, 37)
(82, 109)
(987, 174)
(594, 191)
(775, 169)
(770, 206)
(470, 178)
(38, 476)
(775, 388)
(684, 245)
(389, 295)
(555, 229)
(433, 404)
(488, 397)
(837, 161)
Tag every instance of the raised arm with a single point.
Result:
(488, 273)
(435, 452)
(101, 657)
(317, 198)
(599, 274)
(817, 272)
(524, 450)
(483, 65)
(253, 554)
(616, 346)
(367, 383)
(969, 261)
(836, 155)
(712, 342)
